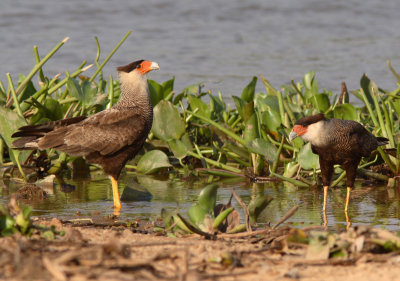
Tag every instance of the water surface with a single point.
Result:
(222, 43)
(369, 205)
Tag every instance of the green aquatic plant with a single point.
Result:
(196, 132)
(207, 218)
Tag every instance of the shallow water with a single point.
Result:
(369, 205)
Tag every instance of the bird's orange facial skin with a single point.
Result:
(299, 130)
(145, 67)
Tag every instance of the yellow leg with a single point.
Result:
(346, 207)
(117, 201)
(325, 196)
(324, 207)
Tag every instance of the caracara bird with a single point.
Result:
(109, 138)
(336, 141)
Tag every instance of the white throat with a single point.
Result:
(315, 134)
(134, 82)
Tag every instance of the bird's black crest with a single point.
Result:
(129, 67)
(308, 120)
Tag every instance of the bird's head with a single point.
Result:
(140, 66)
(307, 127)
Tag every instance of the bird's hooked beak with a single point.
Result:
(147, 66)
(292, 136)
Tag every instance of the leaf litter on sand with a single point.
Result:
(104, 248)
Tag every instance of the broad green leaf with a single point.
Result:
(196, 213)
(265, 102)
(321, 101)
(167, 122)
(345, 111)
(29, 89)
(201, 106)
(307, 159)
(76, 90)
(251, 129)
(168, 87)
(152, 162)
(271, 119)
(248, 111)
(248, 91)
(49, 111)
(178, 148)
(156, 91)
(369, 88)
(208, 197)
(10, 121)
(264, 148)
(239, 105)
(217, 106)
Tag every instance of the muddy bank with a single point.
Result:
(112, 251)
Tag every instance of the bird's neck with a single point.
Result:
(316, 134)
(134, 92)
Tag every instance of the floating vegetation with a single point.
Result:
(199, 133)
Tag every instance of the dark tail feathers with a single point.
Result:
(382, 141)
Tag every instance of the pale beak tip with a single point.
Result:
(154, 66)
(292, 136)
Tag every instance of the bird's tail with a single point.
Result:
(382, 141)
(28, 136)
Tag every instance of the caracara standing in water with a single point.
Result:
(336, 141)
(109, 138)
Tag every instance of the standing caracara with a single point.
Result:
(336, 141)
(109, 138)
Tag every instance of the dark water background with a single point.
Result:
(223, 43)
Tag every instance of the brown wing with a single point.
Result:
(31, 133)
(106, 132)
(352, 137)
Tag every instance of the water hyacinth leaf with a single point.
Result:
(217, 106)
(307, 159)
(152, 162)
(345, 111)
(201, 106)
(49, 111)
(76, 90)
(369, 87)
(167, 122)
(251, 129)
(178, 148)
(308, 79)
(196, 213)
(321, 101)
(208, 197)
(264, 102)
(221, 217)
(310, 85)
(89, 91)
(248, 91)
(271, 119)
(10, 121)
(29, 89)
(239, 103)
(248, 110)
(264, 148)
(168, 87)
(291, 169)
(156, 92)
(257, 205)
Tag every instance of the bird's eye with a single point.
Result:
(139, 66)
